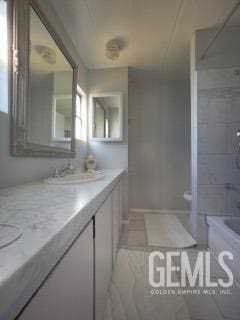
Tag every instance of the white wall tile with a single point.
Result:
(212, 169)
(217, 169)
(212, 199)
(233, 199)
(219, 109)
(202, 109)
(233, 173)
(211, 138)
(232, 78)
(232, 139)
(208, 79)
(233, 114)
(213, 109)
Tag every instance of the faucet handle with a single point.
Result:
(69, 169)
(229, 186)
(69, 165)
(55, 173)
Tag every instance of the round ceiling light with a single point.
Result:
(112, 50)
(48, 54)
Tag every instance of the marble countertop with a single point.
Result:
(51, 217)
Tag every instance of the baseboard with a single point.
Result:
(161, 211)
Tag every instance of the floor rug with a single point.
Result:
(167, 231)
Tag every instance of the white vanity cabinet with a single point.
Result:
(77, 288)
(67, 293)
(107, 232)
(103, 256)
(116, 218)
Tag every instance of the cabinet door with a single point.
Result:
(103, 256)
(121, 200)
(116, 219)
(68, 292)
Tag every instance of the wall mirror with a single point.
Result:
(106, 113)
(44, 86)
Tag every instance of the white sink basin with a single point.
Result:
(9, 233)
(78, 177)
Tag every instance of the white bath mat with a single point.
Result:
(167, 231)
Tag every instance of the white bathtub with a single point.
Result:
(224, 235)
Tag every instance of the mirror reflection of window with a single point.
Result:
(79, 120)
(81, 115)
(106, 128)
(3, 58)
(50, 86)
(100, 120)
(62, 115)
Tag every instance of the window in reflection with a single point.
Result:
(81, 116)
(3, 58)
(62, 118)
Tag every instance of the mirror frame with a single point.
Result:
(19, 12)
(91, 116)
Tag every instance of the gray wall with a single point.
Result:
(40, 111)
(112, 154)
(159, 143)
(216, 111)
(194, 158)
(20, 170)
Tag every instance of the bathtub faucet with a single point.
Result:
(232, 187)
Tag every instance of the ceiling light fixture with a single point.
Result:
(48, 54)
(112, 50)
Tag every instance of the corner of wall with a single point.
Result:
(194, 210)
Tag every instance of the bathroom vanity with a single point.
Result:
(61, 266)
(67, 227)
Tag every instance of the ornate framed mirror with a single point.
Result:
(43, 79)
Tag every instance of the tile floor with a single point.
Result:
(130, 295)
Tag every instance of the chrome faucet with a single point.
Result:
(232, 187)
(58, 173)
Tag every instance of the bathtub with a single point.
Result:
(224, 235)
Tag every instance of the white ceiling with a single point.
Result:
(40, 38)
(155, 34)
(110, 101)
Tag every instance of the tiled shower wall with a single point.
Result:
(218, 119)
